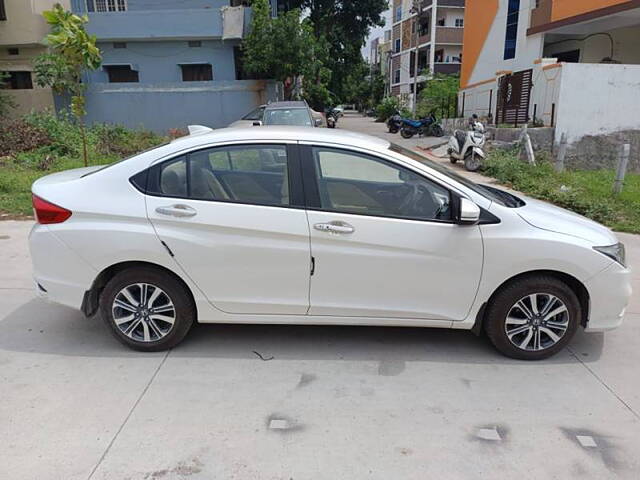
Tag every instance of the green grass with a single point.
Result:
(16, 178)
(63, 151)
(587, 192)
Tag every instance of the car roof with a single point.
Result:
(284, 132)
(289, 104)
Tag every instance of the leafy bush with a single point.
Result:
(543, 182)
(439, 96)
(64, 133)
(118, 140)
(20, 136)
(388, 107)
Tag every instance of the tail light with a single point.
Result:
(47, 212)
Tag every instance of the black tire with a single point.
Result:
(438, 131)
(500, 306)
(184, 310)
(471, 163)
(406, 133)
(393, 130)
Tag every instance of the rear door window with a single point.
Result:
(253, 174)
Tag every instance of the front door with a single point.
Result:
(231, 218)
(383, 241)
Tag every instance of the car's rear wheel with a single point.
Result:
(533, 318)
(147, 309)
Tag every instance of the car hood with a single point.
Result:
(555, 219)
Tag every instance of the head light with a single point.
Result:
(615, 252)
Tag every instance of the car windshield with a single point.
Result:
(495, 194)
(288, 116)
(254, 115)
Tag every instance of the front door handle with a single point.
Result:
(335, 227)
(177, 210)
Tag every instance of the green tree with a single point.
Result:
(440, 90)
(6, 101)
(72, 51)
(283, 48)
(345, 25)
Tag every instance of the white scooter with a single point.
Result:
(468, 146)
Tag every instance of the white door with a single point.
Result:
(383, 242)
(226, 215)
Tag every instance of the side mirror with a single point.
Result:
(257, 123)
(469, 212)
(318, 122)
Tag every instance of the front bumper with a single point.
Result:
(609, 294)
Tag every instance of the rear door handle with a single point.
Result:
(177, 210)
(335, 227)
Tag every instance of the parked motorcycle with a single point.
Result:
(468, 146)
(332, 115)
(394, 122)
(425, 127)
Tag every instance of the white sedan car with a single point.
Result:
(290, 225)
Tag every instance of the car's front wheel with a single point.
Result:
(533, 318)
(147, 309)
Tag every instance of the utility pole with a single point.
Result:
(417, 9)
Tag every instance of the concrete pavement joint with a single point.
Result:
(142, 394)
(603, 383)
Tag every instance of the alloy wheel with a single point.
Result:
(536, 322)
(143, 312)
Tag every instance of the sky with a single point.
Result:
(377, 32)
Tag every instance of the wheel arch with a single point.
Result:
(91, 299)
(572, 282)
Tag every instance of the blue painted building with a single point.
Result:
(170, 63)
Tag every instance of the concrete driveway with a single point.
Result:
(325, 403)
(356, 122)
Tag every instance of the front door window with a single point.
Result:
(349, 182)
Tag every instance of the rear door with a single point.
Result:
(383, 241)
(233, 216)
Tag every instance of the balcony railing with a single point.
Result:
(541, 14)
(447, 68)
(160, 24)
(449, 35)
(451, 3)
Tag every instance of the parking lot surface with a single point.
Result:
(286, 402)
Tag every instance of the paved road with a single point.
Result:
(356, 122)
(333, 403)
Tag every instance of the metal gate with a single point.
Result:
(514, 92)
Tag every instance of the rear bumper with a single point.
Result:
(609, 292)
(60, 274)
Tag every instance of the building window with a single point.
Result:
(397, 46)
(13, 51)
(3, 12)
(121, 74)
(396, 76)
(119, 45)
(424, 27)
(199, 72)
(194, 43)
(18, 81)
(412, 64)
(106, 5)
(398, 16)
(460, 22)
(511, 35)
